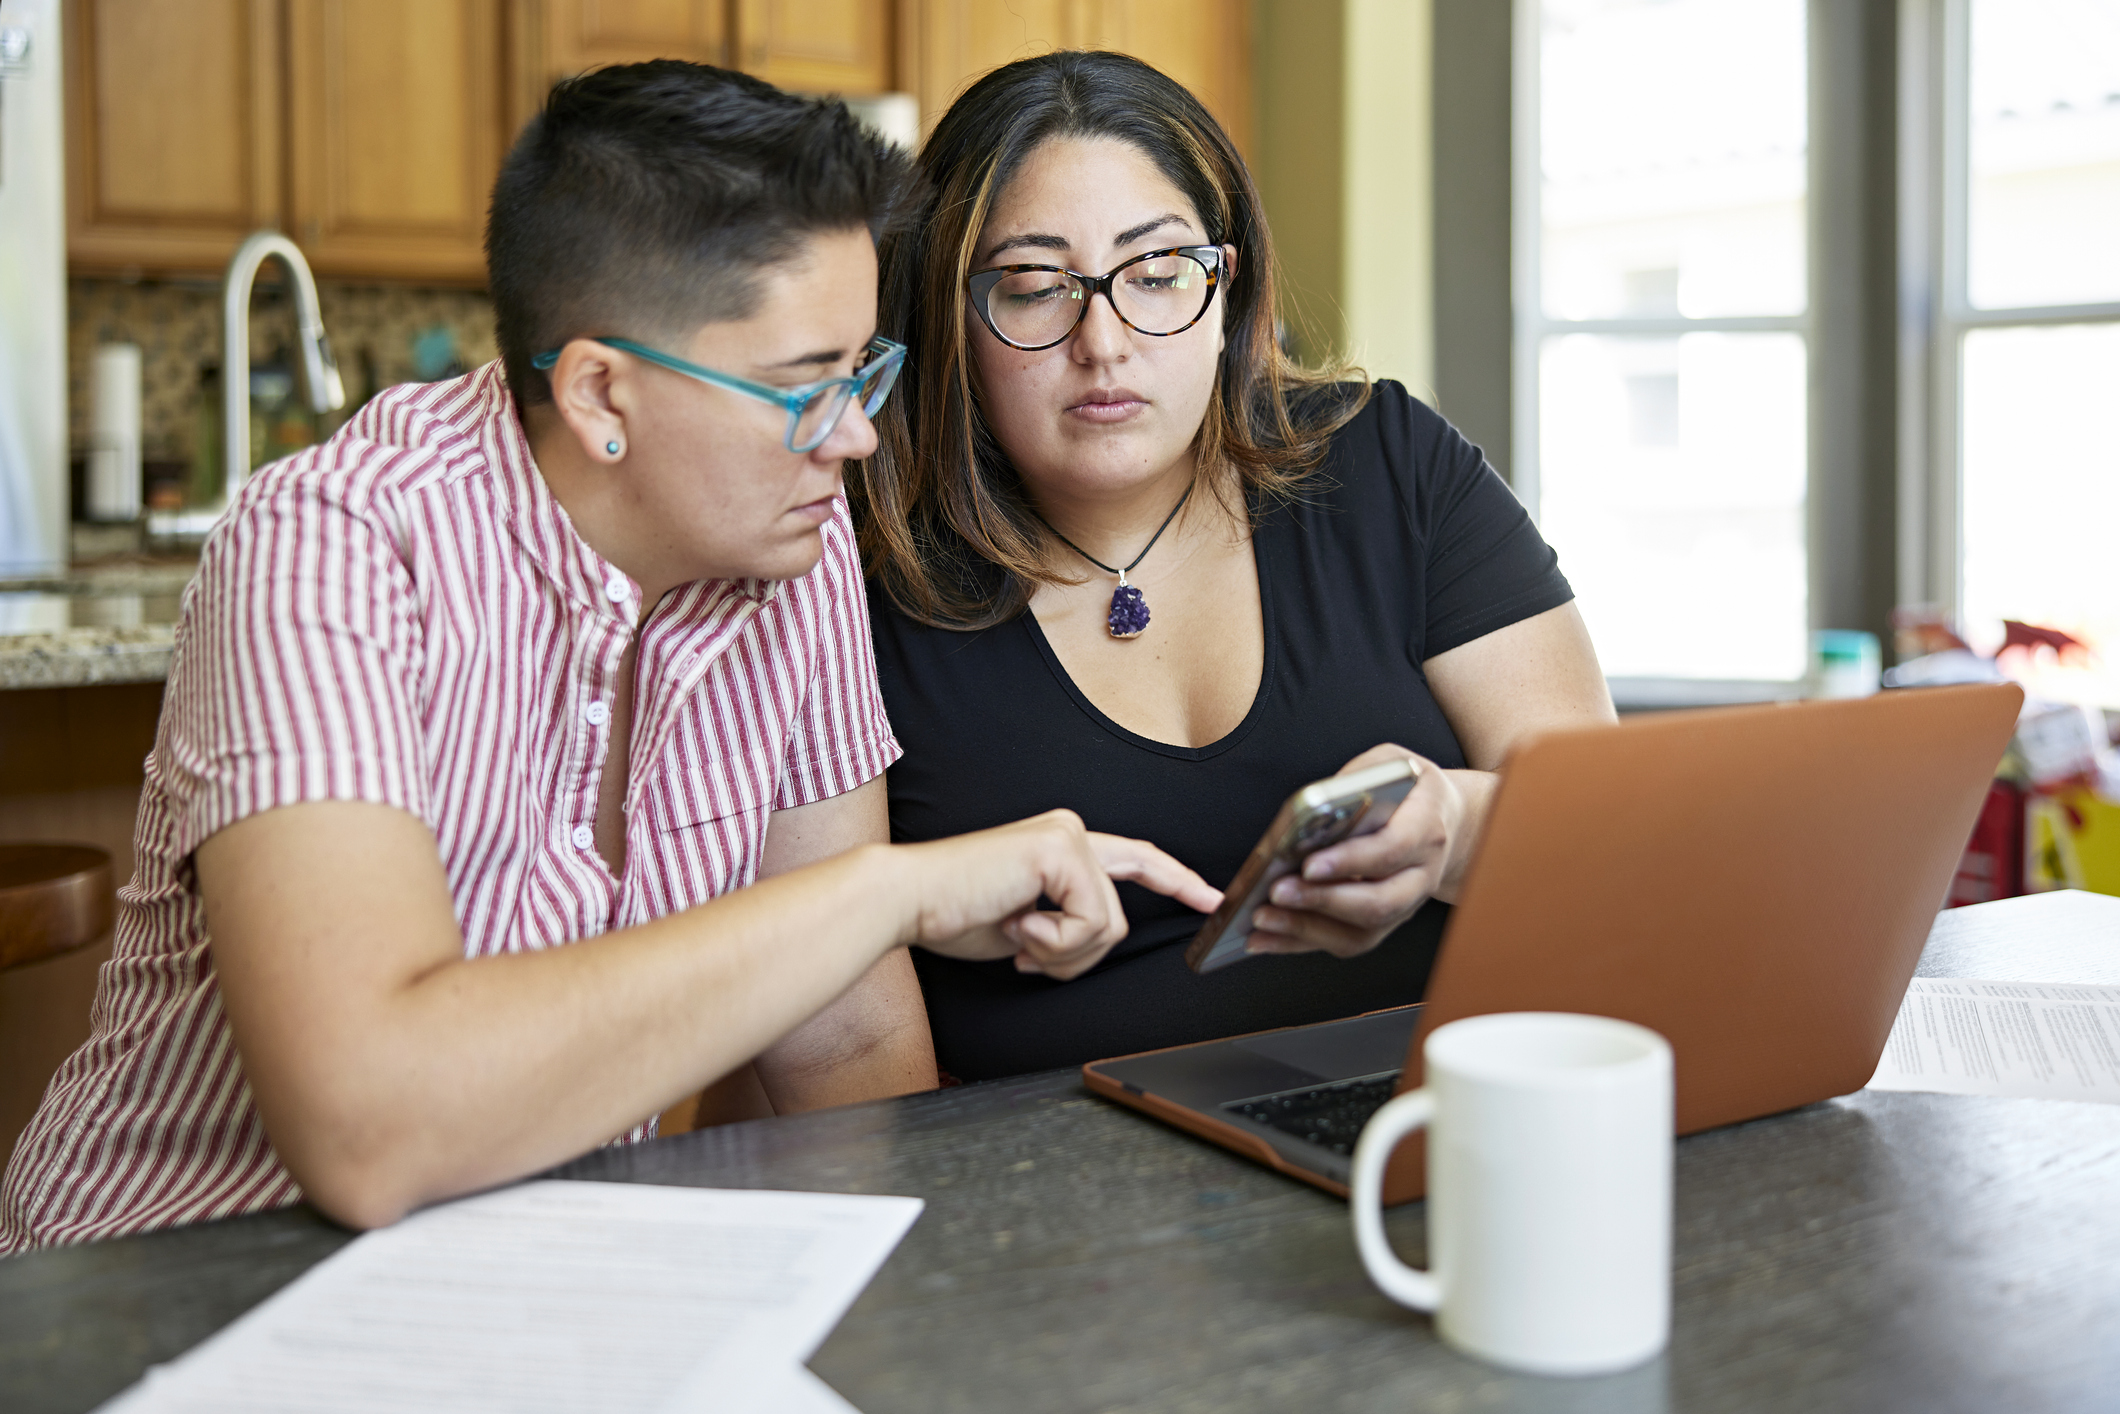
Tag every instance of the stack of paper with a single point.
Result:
(556, 1296)
(2034, 1040)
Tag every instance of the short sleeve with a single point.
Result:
(842, 737)
(1487, 566)
(296, 664)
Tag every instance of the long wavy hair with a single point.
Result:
(945, 523)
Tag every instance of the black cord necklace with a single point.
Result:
(1129, 613)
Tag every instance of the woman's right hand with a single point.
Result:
(975, 896)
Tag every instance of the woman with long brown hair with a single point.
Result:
(1126, 557)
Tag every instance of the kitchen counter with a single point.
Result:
(1936, 1254)
(109, 621)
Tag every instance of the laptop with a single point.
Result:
(1755, 883)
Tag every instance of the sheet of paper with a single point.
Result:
(2032, 1040)
(783, 1389)
(556, 1296)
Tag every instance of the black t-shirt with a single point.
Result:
(1405, 546)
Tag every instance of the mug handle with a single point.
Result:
(1399, 1118)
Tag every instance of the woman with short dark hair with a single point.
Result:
(1127, 557)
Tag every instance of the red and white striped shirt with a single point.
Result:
(405, 615)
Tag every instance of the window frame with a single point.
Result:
(1937, 313)
(1531, 327)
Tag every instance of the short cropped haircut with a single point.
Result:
(645, 199)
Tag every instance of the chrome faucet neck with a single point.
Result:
(320, 372)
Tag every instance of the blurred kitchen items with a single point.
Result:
(34, 462)
(434, 355)
(1549, 1191)
(114, 433)
(202, 486)
(320, 375)
(1845, 663)
(2058, 742)
(1992, 866)
(895, 117)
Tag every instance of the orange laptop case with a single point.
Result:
(1755, 883)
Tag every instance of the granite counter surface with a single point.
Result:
(100, 623)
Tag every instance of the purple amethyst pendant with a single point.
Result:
(1129, 611)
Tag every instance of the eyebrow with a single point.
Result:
(1135, 233)
(819, 358)
(822, 356)
(1040, 241)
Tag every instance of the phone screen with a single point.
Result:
(1315, 817)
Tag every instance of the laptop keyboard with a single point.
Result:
(1331, 1115)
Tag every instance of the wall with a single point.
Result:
(1300, 163)
(1470, 101)
(1388, 287)
(1342, 94)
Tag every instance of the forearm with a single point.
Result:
(478, 1071)
(390, 1071)
(873, 1041)
(870, 1044)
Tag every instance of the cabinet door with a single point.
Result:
(556, 39)
(172, 131)
(816, 46)
(1203, 44)
(581, 34)
(395, 129)
(949, 43)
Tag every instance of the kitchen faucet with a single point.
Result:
(320, 372)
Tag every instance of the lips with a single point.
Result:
(818, 511)
(1108, 397)
(1109, 405)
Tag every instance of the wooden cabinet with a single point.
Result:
(581, 34)
(811, 46)
(551, 39)
(173, 131)
(395, 131)
(1203, 44)
(816, 46)
(370, 130)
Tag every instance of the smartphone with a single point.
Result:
(1321, 814)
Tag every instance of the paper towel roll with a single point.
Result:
(114, 434)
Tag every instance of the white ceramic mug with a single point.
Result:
(1549, 1191)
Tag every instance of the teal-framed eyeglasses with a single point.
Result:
(814, 409)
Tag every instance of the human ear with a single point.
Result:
(587, 394)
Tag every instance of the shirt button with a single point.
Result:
(584, 837)
(615, 591)
(598, 713)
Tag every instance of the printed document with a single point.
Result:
(2032, 1040)
(556, 1296)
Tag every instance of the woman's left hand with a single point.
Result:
(1350, 896)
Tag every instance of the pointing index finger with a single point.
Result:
(1139, 862)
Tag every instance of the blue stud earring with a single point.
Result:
(612, 446)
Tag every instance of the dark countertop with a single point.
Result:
(1877, 1252)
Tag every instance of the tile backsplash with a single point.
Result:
(177, 324)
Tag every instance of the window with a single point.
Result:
(2024, 470)
(1662, 296)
